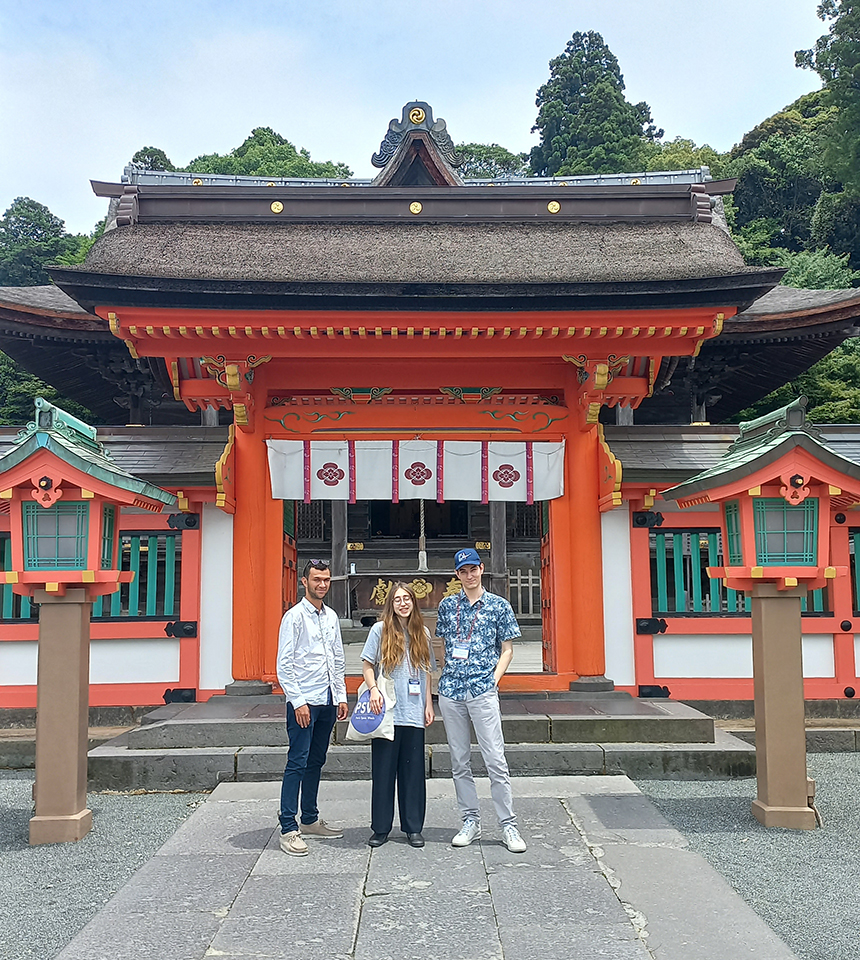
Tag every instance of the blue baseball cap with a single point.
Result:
(464, 557)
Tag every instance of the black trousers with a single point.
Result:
(399, 761)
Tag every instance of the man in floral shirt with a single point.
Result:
(478, 629)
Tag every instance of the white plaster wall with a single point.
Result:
(818, 657)
(134, 661)
(706, 655)
(111, 661)
(216, 599)
(618, 596)
(727, 655)
(18, 659)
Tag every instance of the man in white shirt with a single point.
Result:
(311, 674)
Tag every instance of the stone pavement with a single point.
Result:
(604, 876)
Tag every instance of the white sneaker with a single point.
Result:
(471, 830)
(512, 840)
(293, 844)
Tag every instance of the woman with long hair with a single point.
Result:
(399, 646)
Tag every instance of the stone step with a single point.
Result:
(18, 744)
(236, 722)
(113, 766)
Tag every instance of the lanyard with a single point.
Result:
(468, 639)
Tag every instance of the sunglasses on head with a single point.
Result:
(315, 565)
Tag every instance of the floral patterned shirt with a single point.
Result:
(482, 627)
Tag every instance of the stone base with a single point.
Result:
(592, 685)
(794, 818)
(60, 829)
(247, 688)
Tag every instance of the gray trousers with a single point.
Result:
(486, 718)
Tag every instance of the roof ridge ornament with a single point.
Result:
(417, 115)
(790, 418)
(51, 419)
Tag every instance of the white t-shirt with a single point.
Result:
(409, 709)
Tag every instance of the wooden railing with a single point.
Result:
(524, 592)
(680, 585)
(156, 559)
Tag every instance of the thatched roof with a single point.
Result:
(385, 253)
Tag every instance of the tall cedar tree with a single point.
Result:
(836, 59)
(585, 123)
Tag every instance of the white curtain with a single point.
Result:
(352, 470)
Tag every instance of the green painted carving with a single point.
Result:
(521, 416)
(470, 394)
(312, 417)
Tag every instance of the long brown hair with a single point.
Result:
(393, 644)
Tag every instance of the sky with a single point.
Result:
(86, 83)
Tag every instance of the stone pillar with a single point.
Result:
(780, 730)
(339, 594)
(62, 719)
(498, 565)
(209, 417)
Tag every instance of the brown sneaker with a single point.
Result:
(293, 844)
(321, 830)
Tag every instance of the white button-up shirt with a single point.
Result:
(310, 655)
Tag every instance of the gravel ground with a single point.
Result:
(48, 893)
(804, 883)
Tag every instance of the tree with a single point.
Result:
(836, 59)
(30, 237)
(682, 154)
(782, 175)
(152, 158)
(836, 223)
(819, 269)
(18, 390)
(267, 154)
(489, 160)
(586, 125)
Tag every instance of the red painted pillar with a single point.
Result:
(258, 535)
(577, 561)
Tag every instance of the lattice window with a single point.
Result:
(786, 534)
(733, 530)
(527, 521)
(310, 524)
(55, 538)
(108, 526)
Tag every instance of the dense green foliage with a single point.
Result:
(486, 160)
(682, 154)
(18, 390)
(836, 59)
(586, 125)
(30, 237)
(267, 154)
(152, 158)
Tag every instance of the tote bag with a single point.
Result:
(364, 724)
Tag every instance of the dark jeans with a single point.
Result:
(400, 760)
(305, 758)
